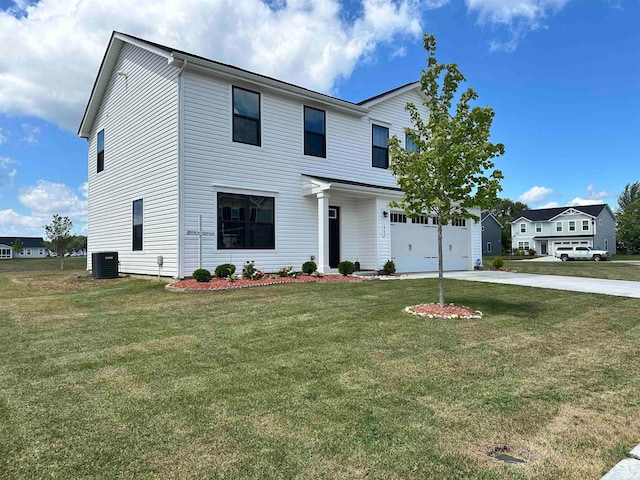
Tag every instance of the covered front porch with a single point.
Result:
(353, 221)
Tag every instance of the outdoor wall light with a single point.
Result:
(385, 214)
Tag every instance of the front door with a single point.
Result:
(334, 237)
(543, 248)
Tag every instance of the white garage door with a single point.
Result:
(414, 246)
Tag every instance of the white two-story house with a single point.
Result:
(204, 163)
(546, 229)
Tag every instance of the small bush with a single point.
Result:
(498, 263)
(532, 252)
(287, 271)
(309, 267)
(389, 267)
(346, 267)
(225, 270)
(201, 275)
(250, 272)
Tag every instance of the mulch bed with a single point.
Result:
(451, 311)
(223, 284)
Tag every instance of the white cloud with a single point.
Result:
(57, 45)
(535, 195)
(30, 133)
(550, 205)
(47, 198)
(594, 197)
(3, 137)
(14, 224)
(519, 16)
(7, 173)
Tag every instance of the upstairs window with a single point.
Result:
(523, 228)
(409, 144)
(585, 225)
(380, 147)
(100, 151)
(538, 227)
(558, 226)
(315, 140)
(246, 116)
(572, 225)
(137, 225)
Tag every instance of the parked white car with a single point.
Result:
(581, 253)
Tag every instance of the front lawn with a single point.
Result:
(122, 379)
(579, 268)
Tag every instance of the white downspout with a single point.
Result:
(179, 253)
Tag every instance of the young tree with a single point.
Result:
(58, 234)
(447, 175)
(17, 246)
(506, 210)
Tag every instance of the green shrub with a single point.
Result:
(309, 267)
(498, 263)
(389, 267)
(201, 275)
(225, 270)
(287, 271)
(346, 267)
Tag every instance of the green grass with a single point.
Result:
(582, 268)
(39, 264)
(121, 379)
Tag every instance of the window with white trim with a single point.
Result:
(523, 228)
(421, 219)
(523, 245)
(585, 225)
(379, 146)
(558, 226)
(409, 143)
(459, 222)
(315, 140)
(606, 244)
(538, 227)
(572, 225)
(5, 253)
(488, 247)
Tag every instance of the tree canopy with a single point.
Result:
(17, 246)
(630, 194)
(446, 174)
(629, 227)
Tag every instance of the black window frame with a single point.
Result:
(311, 133)
(377, 148)
(245, 220)
(100, 151)
(258, 120)
(409, 141)
(137, 229)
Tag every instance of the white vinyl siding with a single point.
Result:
(139, 114)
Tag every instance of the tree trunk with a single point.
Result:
(440, 266)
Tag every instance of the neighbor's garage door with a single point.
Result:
(414, 246)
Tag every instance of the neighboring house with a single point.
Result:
(548, 228)
(491, 234)
(32, 247)
(204, 163)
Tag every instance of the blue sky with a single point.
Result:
(561, 75)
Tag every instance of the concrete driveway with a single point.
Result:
(619, 288)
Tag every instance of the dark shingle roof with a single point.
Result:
(544, 214)
(27, 242)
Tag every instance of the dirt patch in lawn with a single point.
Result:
(224, 284)
(434, 310)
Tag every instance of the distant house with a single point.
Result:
(32, 247)
(491, 234)
(546, 229)
(204, 163)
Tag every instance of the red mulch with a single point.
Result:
(224, 284)
(433, 310)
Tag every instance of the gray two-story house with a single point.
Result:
(491, 234)
(546, 229)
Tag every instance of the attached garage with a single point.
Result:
(414, 244)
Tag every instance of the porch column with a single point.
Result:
(323, 232)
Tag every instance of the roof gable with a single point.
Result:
(370, 102)
(548, 214)
(488, 216)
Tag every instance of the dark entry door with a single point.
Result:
(334, 237)
(543, 248)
